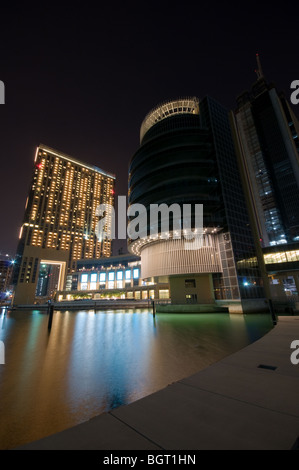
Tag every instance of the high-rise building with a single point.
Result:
(267, 145)
(6, 268)
(266, 132)
(187, 156)
(59, 225)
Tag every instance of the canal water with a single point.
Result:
(91, 362)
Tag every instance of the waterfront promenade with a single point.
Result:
(248, 400)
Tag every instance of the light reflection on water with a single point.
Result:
(92, 362)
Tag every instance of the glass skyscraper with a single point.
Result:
(187, 156)
(266, 131)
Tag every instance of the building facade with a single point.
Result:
(60, 222)
(282, 264)
(187, 156)
(117, 277)
(6, 269)
(266, 133)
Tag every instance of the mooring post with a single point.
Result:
(50, 311)
(154, 308)
(274, 319)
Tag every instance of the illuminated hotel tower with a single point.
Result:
(59, 225)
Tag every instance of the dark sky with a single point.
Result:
(81, 79)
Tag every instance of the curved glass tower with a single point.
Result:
(186, 157)
(175, 162)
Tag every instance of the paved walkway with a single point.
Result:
(233, 404)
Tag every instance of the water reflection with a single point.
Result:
(91, 362)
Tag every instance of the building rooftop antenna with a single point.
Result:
(259, 70)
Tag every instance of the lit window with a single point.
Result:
(152, 294)
(102, 277)
(128, 275)
(135, 273)
(93, 277)
(119, 275)
(164, 294)
(84, 278)
(111, 276)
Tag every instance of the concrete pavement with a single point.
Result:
(249, 400)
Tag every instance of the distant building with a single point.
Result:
(116, 277)
(266, 133)
(6, 268)
(187, 156)
(59, 225)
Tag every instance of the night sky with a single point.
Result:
(81, 79)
